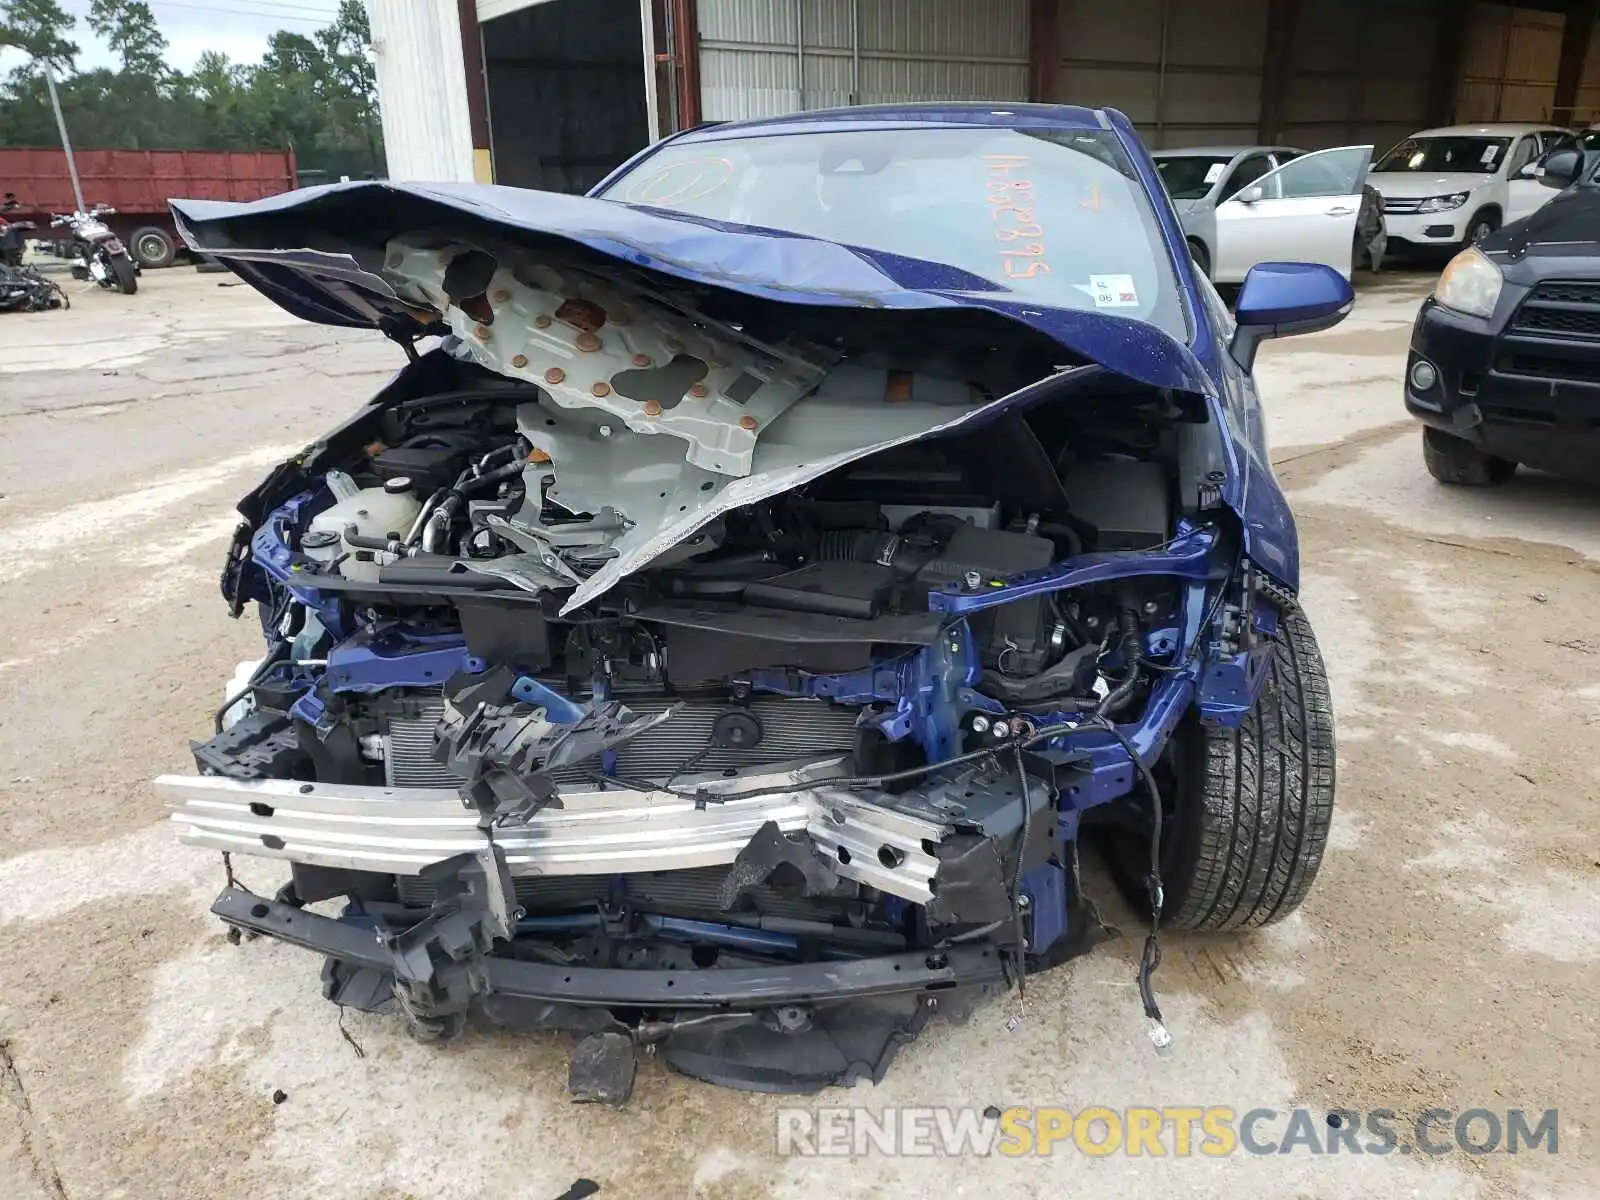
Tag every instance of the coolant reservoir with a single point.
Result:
(376, 513)
(245, 704)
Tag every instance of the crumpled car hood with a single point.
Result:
(318, 252)
(596, 303)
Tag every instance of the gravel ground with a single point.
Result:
(1446, 958)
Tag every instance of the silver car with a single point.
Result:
(1241, 205)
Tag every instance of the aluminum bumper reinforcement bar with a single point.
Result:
(617, 830)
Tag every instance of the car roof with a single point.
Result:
(1490, 129)
(1216, 151)
(866, 116)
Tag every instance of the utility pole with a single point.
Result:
(66, 142)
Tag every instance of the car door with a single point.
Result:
(1524, 193)
(1522, 185)
(1246, 171)
(1305, 211)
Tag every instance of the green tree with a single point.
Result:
(346, 46)
(288, 91)
(217, 94)
(129, 27)
(38, 27)
(316, 94)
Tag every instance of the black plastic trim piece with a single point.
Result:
(741, 987)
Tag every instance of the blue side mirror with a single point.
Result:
(1280, 299)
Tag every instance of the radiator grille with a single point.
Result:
(1574, 291)
(1549, 366)
(1555, 320)
(790, 729)
(1561, 307)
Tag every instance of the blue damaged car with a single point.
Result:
(760, 578)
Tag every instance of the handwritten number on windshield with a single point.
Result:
(1014, 209)
(681, 182)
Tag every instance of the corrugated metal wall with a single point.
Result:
(1191, 72)
(1361, 71)
(1110, 57)
(1509, 70)
(1187, 72)
(422, 83)
(768, 57)
(1215, 50)
(1586, 106)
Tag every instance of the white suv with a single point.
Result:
(1450, 187)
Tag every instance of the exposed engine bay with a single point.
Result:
(667, 536)
(620, 633)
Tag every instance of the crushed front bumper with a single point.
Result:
(789, 1027)
(822, 1014)
(830, 1008)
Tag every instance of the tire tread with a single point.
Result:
(1266, 796)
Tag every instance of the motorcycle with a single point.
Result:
(13, 234)
(100, 253)
(23, 289)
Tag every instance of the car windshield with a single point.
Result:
(1481, 155)
(1056, 216)
(1589, 140)
(1191, 176)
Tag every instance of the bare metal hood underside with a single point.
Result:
(623, 437)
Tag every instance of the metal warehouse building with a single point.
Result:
(554, 93)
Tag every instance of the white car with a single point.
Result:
(1450, 187)
(1244, 205)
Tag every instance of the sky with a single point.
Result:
(238, 28)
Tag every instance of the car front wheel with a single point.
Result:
(1455, 460)
(1248, 812)
(1481, 226)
